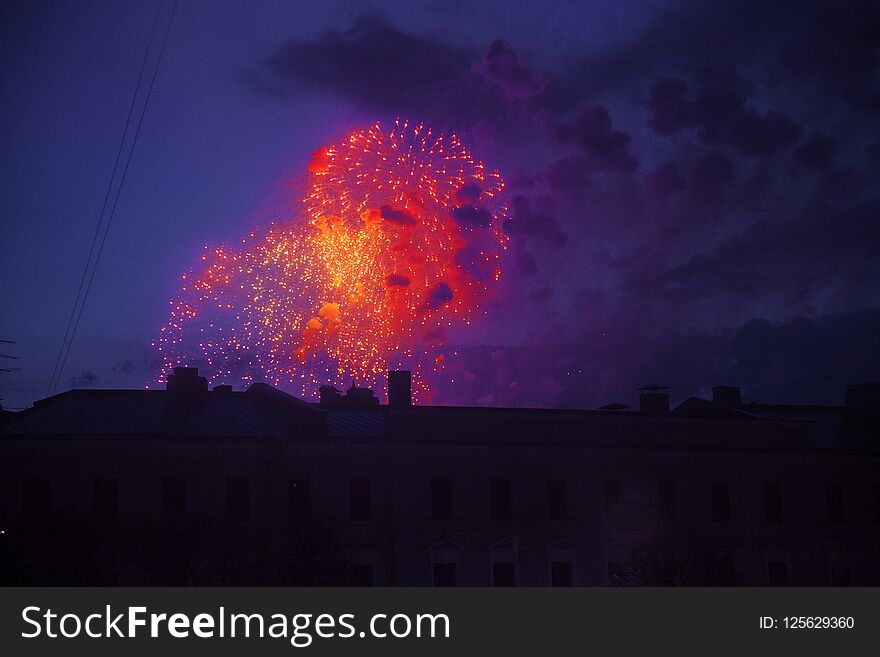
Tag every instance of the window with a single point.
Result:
(173, 498)
(106, 499)
(613, 495)
(444, 574)
(499, 503)
(557, 499)
(503, 573)
(361, 574)
(561, 573)
(238, 500)
(777, 573)
(836, 509)
(441, 499)
(360, 499)
(772, 503)
(35, 499)
(720, 501)
(668, 494)
(299, 500)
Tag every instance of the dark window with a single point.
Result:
(35, 499)
(720, 501)
(726, 572)
(106, 499)
(444, 574)
(836, 509)
(777, 573)
(238, 500)
(173, 498)
(441, 499)
(360, 499)
(772, 503)
(668, 495)
(299, 499)
(561, 573)
(613, 494)
(361, 574)
(503, 573)
(499, 504)
(557, 499)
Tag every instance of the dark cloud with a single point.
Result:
(501, 66)
(837, 53)
(605, 148)
(816, 151)
(534, 219)
(711, 172)
(397, 280)
(377, 65)
(124, 367)
(800, 360)
(542, 295)
(721, 117)
(825, 252)
(469, 193)
(441, 294)
(662, 182)
(397, 216)
(472, 215)
(85, 379)
(567, 173)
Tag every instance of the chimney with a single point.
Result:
(729, 396)
(399, 389)
(186, 384)
(329, 396)
(864, 398)
(654, 400)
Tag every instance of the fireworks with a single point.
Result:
(399, 238)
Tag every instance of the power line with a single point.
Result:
(82, 281)
(85, 287)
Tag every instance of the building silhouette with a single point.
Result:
(195, 486)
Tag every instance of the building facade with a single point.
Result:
(191, 486)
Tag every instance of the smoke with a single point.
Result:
(657, 204)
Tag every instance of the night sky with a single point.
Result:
(693, 186)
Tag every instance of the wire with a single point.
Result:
(76, 315)
(82, 281)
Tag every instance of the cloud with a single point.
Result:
(397, 216)
(375, 64)
(605, 148)
(816, 151)
(721, 117)
(534, 219)
(825, 254)
(664, 181)
(837, 52)
(472, 215)
(397, 280)
(85, 379)
(440, 295)
(502, 67)
(124, 367)
(711, 172)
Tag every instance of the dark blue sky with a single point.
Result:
(694, 185)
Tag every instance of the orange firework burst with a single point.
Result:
(400, 239)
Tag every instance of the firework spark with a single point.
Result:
(399, 238)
